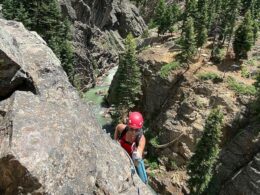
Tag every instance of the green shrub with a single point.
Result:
(152, 24)
(218, 54)
(154, 141)
(208, 76)
(152, 174)
(244, 72)
(151, 161)
(165, 70)
(153, 165)
(253, 61)
(145, 34)
(173, 165)
(172, 29)
(240, 88)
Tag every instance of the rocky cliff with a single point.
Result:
(99, 28)
(176, 107)
(238, 168)
(49, 141)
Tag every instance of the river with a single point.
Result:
(95, 97)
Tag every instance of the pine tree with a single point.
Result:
(201, 27)
(216, 54)
(159, 18)
(66, 53)
(202, 35)
(9, 9)
(229, 20)
(202, 162)
(166, 21)
(255, 9)
(22, 15)
(213, 13)
(166, 16)
(159, 11)
(188, 42)
(255, 30)
(176, 13)
(190, 10)
(257, 86)
(244, 37)
(128, 76)
(216, 18)
(246, 5)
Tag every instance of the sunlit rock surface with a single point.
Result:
(49, 141)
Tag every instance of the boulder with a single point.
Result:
(49, 141)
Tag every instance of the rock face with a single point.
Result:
(98, 29)
(49, 141)
(180, 104)
(177, 107)
(238, 169)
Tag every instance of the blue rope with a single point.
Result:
(133, 169)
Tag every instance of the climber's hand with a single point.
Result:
(136, 155)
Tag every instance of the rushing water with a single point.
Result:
(95, 97)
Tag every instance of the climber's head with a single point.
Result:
(135, 120)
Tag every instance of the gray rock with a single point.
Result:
(98, 29)
(246, 180)
(237, 171)
(49, 141)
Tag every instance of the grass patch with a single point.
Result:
(208, 76)
(152, 174)
(253, 62)
(165, 70)
(152, 163)
(244, 72)
(154, 141)
(173, 165)
(240, 88)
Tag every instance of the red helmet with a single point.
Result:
(135, 120)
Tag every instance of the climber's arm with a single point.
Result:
(118, 130)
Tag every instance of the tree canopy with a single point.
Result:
(128, 75)
(200, 167)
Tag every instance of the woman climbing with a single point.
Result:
(131, 138)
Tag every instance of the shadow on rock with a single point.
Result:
(16, 179)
